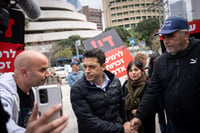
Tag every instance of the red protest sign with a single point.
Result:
(117, 55)
(194, 26)
(8, 52)
(117, 60)
(105, 41)
(11, 41)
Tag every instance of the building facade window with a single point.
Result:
(132, 18)
(132, 25)
(130, 6)
(131, 12)
(112, 9)
(119, 14)
(138, 11)
(143, 17)
(138, 17)
(114, 21)
(127, 25)
(113, 15)
(137, 5)
(125, 6)
(126, 19)
(125, 13)
(118, 7)
(120, 20)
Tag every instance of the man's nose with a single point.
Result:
(47, 74)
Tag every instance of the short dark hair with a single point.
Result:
(96, 53)
(136, 63)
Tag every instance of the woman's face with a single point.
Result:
(134, 73)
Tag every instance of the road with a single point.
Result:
(67, 109)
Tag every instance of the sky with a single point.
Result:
(92, 3)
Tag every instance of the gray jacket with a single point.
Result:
(10, 100)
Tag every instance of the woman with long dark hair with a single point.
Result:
(134, 89)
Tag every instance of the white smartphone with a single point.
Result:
(47, 96)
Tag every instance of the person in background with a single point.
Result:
(175, 79)
(81, 67)
(17, 97)
(97, 98)
(134, 89)
(53, 78)
(75, 74)
(152, 59)
(141, 57)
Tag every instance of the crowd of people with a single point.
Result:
(101, 103)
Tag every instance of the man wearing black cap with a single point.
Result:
(176, 79)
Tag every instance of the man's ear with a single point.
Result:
(104, 66)
(23, 71)
(187, 34)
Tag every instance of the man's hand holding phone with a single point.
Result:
(42, 125)
(49, 109)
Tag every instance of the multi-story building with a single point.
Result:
(93, 15)
(58, 21)
(127, 13)
(195, 5)
(178, 9)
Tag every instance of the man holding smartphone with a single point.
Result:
(16, 91)
(97, 98)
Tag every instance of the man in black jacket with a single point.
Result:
(176, 79)
(97, 98)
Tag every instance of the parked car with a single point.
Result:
(60, 71)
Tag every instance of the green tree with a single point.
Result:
(123, 33)
(135, 35)
(66, 52)
(147, 28)
(70, 43)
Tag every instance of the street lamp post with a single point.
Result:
(77, 44)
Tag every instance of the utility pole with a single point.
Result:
(77, 44)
